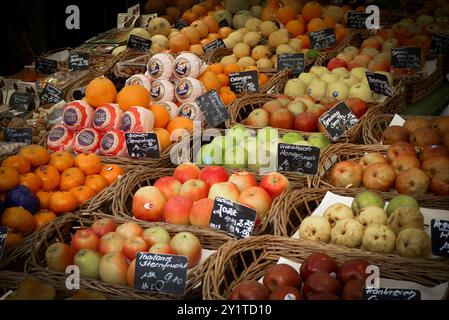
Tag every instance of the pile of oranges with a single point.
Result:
(60, 182)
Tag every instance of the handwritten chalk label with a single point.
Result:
(213, 108)
(79, 61)
(391, 294)
(378, 83)
(244, 81)
(302, 159)
(24, 135)
(406, 57)
(51, 94)
(440, 43)
(138, 43)
(45, 66)
(179, 24)
(20, 101)
(162, 273)
(338, 120)
(439, 233)
(3, 235)
(291, 61)
(232, 218)
(357, 20)
(216, 44)
(142, 145)
(323, 39)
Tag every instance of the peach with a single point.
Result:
(201, 212)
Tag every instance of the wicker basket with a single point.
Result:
(63, 229)
(250, 258)
(128, 55)
(77, 85)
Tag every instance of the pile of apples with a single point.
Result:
(107, 251)
(366, 224)
(187, 197)
(319, 278)
(401, 168)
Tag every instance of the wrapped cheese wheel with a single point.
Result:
(60, 139)
(188, 89)
(141, 80)
(87, 141)
(162, 90)
(113, 144)
(190, 110)
(188, 65)
(107, 117)
(78, 115)
(171, 107)
(137, 119)
(160, 66)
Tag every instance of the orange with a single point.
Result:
(62, 201)
(89, 163)
(340, 33)
(224, 79)
(197, 49)
(210, 80)
(32, 181)
(161, 116)
(204, 41)
(316, 24)
(192, 34)
(36, 155)
(50, 177)
(44, 199)
(83, 193)
(212, 24)
(263, 78)
(227, 96)
(99, 91)
(224, 32)
(285, 14)
(295, 27)
(305, 42)
(232, 67)
(213, 36)
(251, 68)
(180, 123)
(111, 172)
(18, 218)
(199, 10)
(163, 136)
(9, 178)
(12, 239)
(201, 27)
(96, 182)
(43, 217)
(179, 43)
(216, 68)
(330, 22)
(189, 16)
(71, 178)
(61, 160)
(133, 95)
(20, 163)
(311, 10)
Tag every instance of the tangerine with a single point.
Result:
(20, 163)
(111, 172)
(71, 178)
(9, 178)
(62, 201)
(89, 163)
(61, 160)
(43, 217)
(96, 182)
(83, 193)
(32, 181)
(36, 155)
(18, 218)
(50, 177)
(161, 116)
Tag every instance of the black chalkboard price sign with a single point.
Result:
(406, 57)
(163, 273)
(45, 66)
(3, 235)
(357, 20)
(323, 39)
(78, 61)
(138, 43)
(216, 44)
(302, 159)
(244, 81)
(338, 120)
(51, 94)
(142, 145)
(391, 294)
(378, 83)
(440, 43)
(213, 108)
(292, 61)
(232, 218)
(20, 101)
(179, 24)
(24, 135)
(439, 233)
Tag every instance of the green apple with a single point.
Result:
(238, 132)
(236, 158)
(401, 201)
(366, 199)
(88, 262)
(291, 137)
(318, 140)
(302, 143)
(210, 154)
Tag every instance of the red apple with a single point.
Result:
(379, 176)
(155, 235)
(129, 230)
(257, 198)
(169, 186)
(114, 269)
(111, 242)
(283, 99)
(346, 173)
(372, 43)
(249, 290)
(162, 248)
(148, 203)
(194, 189)
(186, 171)
(327, 102)
(213, 174)
(353, 290)
(103, 226)
(336, 63)
(354, 269)
(133, 245)
(274, 183)
(282, 118)
(321, 282)
(379, 64)
(243, 180)
(281, 275)
(258, 118)
(187, 244)
(59, 256)
(306, 121)
(400, 148)
(318, 262)
(317, 108)
(285, 293)
(358, 106)
(177, 210)
(85, 239)
(272, 106)
(201, 212)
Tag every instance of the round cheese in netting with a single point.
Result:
(78, 115)
(188, 89)
(162, 90)
(107, 117)
(137, 119)
(188, 65)
(60, 139)
(113, 144)
(190, 110)
(87, 141)
(171, 107)
(160, 66)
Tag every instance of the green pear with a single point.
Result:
(366, 199)
(88, 262)
(401, 201)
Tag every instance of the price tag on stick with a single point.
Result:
(51, 94)
(391, 294)
(3, 235)
(24, 135)
(338, 120)
(142, 145)
(378, 83)
(162, 273)
(213, 108)
(323, 39)
(232, 218)
(439, 232)
(406, 57)
(138, 43)
(302, 159)
(246, 80)
(46, 66)
(79, 61)
(292, 61)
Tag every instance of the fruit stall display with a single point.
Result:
(278, 268)
(105, 247)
